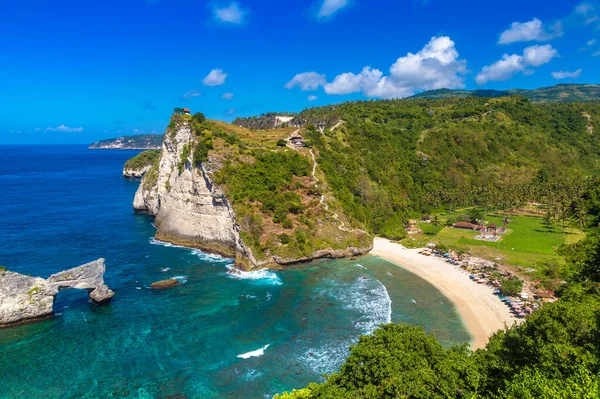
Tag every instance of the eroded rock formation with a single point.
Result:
(190, 210)
(25, 298)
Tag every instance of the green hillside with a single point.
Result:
(393, 159)
(558, 93)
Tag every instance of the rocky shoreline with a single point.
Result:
(26, 299)
(192, 211)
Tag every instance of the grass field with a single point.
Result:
(528, 243)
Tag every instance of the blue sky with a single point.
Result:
(78, 71)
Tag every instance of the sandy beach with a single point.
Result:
(482, 312)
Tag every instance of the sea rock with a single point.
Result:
(25, 298)
(135, 173)
(163, 284)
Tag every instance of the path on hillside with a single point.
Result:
(341, 225)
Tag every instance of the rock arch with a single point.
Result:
(25, 298)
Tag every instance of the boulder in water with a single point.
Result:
(163, 284)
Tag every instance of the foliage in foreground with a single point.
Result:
(554, 354)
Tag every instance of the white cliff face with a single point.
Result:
(189, 208)
(135, 173)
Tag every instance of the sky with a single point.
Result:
(80, 71)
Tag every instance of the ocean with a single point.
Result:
(218, 335)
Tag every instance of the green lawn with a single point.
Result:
(527, 243)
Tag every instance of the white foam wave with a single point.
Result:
(193, 251)
(359, 265)
(256, 353)
(370, 298)
(180, 279)
(165, 269)
(263, 274)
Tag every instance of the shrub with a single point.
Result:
(287, 223)
(512, 286)
(284, 239)
(198, 117)
(281, 143)
(2, 268)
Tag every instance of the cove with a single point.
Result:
(187, 340)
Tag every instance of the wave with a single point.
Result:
(359, 265)
(180, 279)
(263, 274)
(370, 299)
(202, 255)
(256, 353)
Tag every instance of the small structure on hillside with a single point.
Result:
(297, 140)
(465, 226)
(186, 111)
(426, 219)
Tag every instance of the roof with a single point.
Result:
(186, 110)
(492, 226)
(465, 225)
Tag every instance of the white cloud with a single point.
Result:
(588, 12)
(435, 66)
(230, 111)
(231, 14)
(190, 94)
(306, 81)
(311, 98)
(227, 96)
(216, 77)
(591, 42)
(529, 31)
(539, 55)
(567, 75)
(330, 7)
(510, 65)
(64, 129)
(596, 54)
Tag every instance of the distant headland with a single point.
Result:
(139, 142)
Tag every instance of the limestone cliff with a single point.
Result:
(25, 298)
(192, 210)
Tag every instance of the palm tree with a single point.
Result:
(435, 220)
(548, 218)
(564, 216)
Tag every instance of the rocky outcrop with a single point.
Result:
(135, 173)
(190, 210)
(325, 254)
(25, 298)
(164, 284)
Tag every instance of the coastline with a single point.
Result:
(482, 312)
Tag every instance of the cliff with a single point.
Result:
(201, 198)
(25, 298)
(139, 165)
(139, 142)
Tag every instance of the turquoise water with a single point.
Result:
(216, 336)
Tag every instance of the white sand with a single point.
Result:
(482, 312)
